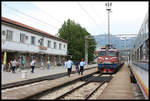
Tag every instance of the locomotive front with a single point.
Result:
(108, 60)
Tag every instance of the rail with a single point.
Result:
(39, 79)
(90, 94)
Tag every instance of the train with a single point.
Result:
(139, 59)
(108, 60)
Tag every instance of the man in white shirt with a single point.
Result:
(32, 65)
(14, 64)
(65, 65)
(82, 63)
(69, 66)
(48, 63)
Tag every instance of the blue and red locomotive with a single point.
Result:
(108, 59)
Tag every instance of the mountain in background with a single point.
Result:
(117, 42)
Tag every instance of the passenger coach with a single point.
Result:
(139, 59)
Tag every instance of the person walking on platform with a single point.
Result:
(17, 65)
(9, 66)
(22, 63)
(77, 66)
(82, 63)
(48, 63)
(32, 65)
(14, 64)
(65, 64)
(69, 66)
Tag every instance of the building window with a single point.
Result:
(59, 45)
(9, 35)
(49, 44)
(22, 38)
(41, 42)
(55, 45)
(32, 40)
(64, 46)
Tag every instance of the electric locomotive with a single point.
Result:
(108, 59)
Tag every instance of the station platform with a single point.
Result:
(9, 77)
(120, 86)
(27, 92)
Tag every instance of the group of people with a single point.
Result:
(77, 64)
(14, 64)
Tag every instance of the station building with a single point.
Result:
(20, 40)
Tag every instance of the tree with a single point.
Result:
(75, 35)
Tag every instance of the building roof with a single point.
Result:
(4, 19)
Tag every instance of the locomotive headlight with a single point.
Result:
(101, 58)
(106, 58)
(113, 58)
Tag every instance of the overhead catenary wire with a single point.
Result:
(27, 19)
(97, 16)
(49, 15)
(88, 15)
(30, 16)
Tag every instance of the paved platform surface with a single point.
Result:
(29, 90)
(9, 77)
(120, 87)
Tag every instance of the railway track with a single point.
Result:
(36, 80)
(31, 81)
(27, 90)
(83, 89)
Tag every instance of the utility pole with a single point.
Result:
(86, 47)
(86, 50)
(108, 8)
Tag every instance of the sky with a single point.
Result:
(125, 18)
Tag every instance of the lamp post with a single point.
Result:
(108, 8)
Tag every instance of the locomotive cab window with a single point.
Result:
(111, 53)
(102, 53)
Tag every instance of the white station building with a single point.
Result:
(20, 40)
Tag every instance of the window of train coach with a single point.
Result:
(102, 53)
(147, 48)
(111, 53)
(146, 27)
